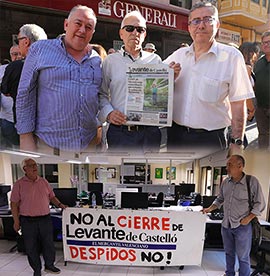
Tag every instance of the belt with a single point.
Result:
(198, 130)
(130, 128)
(35, 217)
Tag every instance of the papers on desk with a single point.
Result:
(179, 208)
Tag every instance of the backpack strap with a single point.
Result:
(248, 177)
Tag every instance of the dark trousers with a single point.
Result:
(9, 135)
(136, 138)
(38, 238)
(263, 123)
(181, 137)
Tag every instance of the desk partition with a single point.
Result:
(138, 238)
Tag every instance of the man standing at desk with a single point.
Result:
(236, 228)
(30, 198)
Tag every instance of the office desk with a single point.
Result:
(213, 238)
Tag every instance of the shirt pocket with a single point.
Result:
(241, 195)
(210, 90)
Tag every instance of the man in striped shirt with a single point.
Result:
(57, 100)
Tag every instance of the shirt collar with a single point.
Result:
(241, 181)
(213, 49)
(30, 180)
(90, 51)
(125, 53)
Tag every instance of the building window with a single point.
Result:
(256, 1)
(182, 3)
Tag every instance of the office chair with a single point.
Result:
(263, 250)
(158, 202)
(99, 199)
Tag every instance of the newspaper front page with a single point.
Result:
(149, 94)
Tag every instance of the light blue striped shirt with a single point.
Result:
(58, 97)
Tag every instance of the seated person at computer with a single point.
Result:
(30, 199)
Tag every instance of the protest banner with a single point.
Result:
(138, 238)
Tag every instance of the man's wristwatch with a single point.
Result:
(237, 141)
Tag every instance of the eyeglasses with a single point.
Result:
(15, 54)
(266, 43)
(131, 28)
(32, 165)
(16, 40)
(206, 20)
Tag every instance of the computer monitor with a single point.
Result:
(134, 200)
(118, 192)
(184, 189)
(67, 196)
(131, 187)
(208, 200)
(95, 186)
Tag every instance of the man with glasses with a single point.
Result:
(30, 199)
(262, 91)
(28, 34)
(114, 90)
(211, 90)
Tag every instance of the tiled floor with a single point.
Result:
(15, 263)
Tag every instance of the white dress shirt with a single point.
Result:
(205, 87)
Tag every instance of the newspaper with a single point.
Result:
(149, 94)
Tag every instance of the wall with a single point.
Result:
(64, 174)
(257, 164)
(5, 169)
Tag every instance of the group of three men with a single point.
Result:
(64, 87)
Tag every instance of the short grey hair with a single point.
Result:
(33, 32)
(81, 7)
(23, 163)
(203, 4)
(135, 14)
(265, 34)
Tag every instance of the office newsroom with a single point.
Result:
(164, 179)
(129, 190)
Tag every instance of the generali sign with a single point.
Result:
(117, 10)
(153, 16)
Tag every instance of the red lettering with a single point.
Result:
(123, 255)
(110, 254)
(146, 223)
(114, 254)
(92, 252)
(100, 252)
(83, 253)
(132, 257)
(119, 221)
(165, 225)
(74, 252)
(155, 222)
(137, 222)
